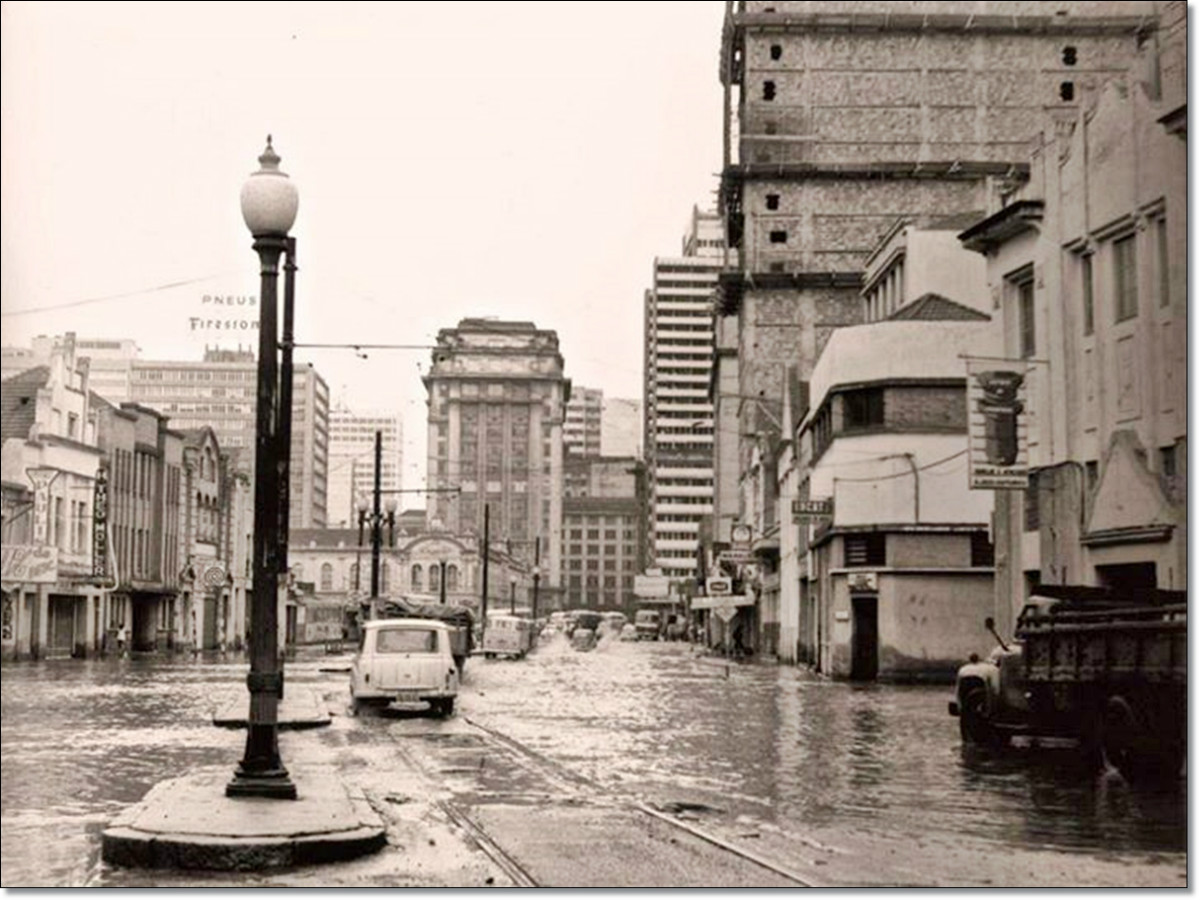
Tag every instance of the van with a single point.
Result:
(507, 635)
(404, 663)
(648, 622)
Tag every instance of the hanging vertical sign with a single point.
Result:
(997, 424)
(100, 525)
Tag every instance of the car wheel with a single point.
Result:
(973, 724)
(1129, 745)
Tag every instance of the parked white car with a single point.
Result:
(405, 663)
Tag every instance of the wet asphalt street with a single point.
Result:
(834, 783)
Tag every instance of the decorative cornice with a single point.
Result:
(1136, 534)
(1014, 219)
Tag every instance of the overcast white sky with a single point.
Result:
(505, 159)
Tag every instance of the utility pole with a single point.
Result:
(376, 527)
(483, 604)
(537, 572)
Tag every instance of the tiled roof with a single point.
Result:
(936, 308)
(18, 401)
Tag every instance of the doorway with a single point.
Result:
(62, 626)
(864, 640)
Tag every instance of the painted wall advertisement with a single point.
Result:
(997, 423)
(29, 564)
(231, 317)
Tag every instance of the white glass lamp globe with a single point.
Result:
(269, 198)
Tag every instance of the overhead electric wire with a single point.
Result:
(90, 300)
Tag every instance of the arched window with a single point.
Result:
(385, 577)
(327, 576)
(435, 580)
(452, 577)
(417, 583)
(354, 585)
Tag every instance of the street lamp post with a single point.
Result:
(512, 595)
(269, 203)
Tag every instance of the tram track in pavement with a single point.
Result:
(558, 770)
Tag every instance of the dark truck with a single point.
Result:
(1106, 668)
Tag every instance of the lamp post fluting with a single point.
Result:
(269, 203)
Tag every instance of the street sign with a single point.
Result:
(651, 586)
(805, 511)
(863, 581)
(725, 613)
(719, 587)
(735, 557)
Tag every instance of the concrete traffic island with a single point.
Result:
(300, 708)
(189, 823)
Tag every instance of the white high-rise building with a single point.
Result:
(581, 430)
(678, 412)
(352, 459)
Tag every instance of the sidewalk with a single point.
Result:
(189, 823)
(301, 707)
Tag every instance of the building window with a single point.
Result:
(1025, 318)
(452, 577)
(1125, 278)
(983, 552)
(862, 408)
(435, 580)
(327, 576)
(1032, 515)
(778, 237)
(418, 578)
(1161, 261)
(1089, 296)
(768, 90)
(1070, 56)
(1166, 460)
(865, 549)
(1066, 91)
(776, 51)
(772, 201)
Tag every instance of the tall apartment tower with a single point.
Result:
(352, 459)
(497, 399)
(581, 430)
(678, 411)
(842, 118)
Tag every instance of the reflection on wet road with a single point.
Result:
(648, 722)
(780, 745)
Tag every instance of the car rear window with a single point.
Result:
(406, 640)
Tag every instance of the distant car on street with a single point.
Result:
(629, 632)
(585, 629)
(405, 663)
(614, 621)
(648, 623)
(507, 635)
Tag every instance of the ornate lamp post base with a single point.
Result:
(273, 785)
